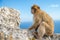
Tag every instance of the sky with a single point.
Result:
(52, 7)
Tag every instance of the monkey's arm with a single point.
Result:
(34, 25)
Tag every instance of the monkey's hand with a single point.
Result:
(31, 28)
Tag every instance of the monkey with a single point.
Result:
(43, 23)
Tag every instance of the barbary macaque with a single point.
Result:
(43, 23)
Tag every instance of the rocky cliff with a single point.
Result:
(9, 25)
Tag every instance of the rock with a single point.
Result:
(9, 25)
(9, 22)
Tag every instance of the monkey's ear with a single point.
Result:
(38, 7)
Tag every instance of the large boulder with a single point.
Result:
(9, 22)
(9, 25)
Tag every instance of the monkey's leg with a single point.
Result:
(41, 31)
(36, 35)
(49, 29)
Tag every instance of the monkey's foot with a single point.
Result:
(36, 36)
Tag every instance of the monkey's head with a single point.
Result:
(35, 9)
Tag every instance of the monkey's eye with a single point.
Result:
(35, 10)
(38, 7)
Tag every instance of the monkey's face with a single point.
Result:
(32, 11)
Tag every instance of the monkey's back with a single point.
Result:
(48, 19)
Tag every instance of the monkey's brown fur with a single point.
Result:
(42, 21)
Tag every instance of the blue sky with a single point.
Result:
(52, 7)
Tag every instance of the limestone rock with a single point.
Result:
(9, 25)
(9, 22)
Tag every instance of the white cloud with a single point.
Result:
(54, 5)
